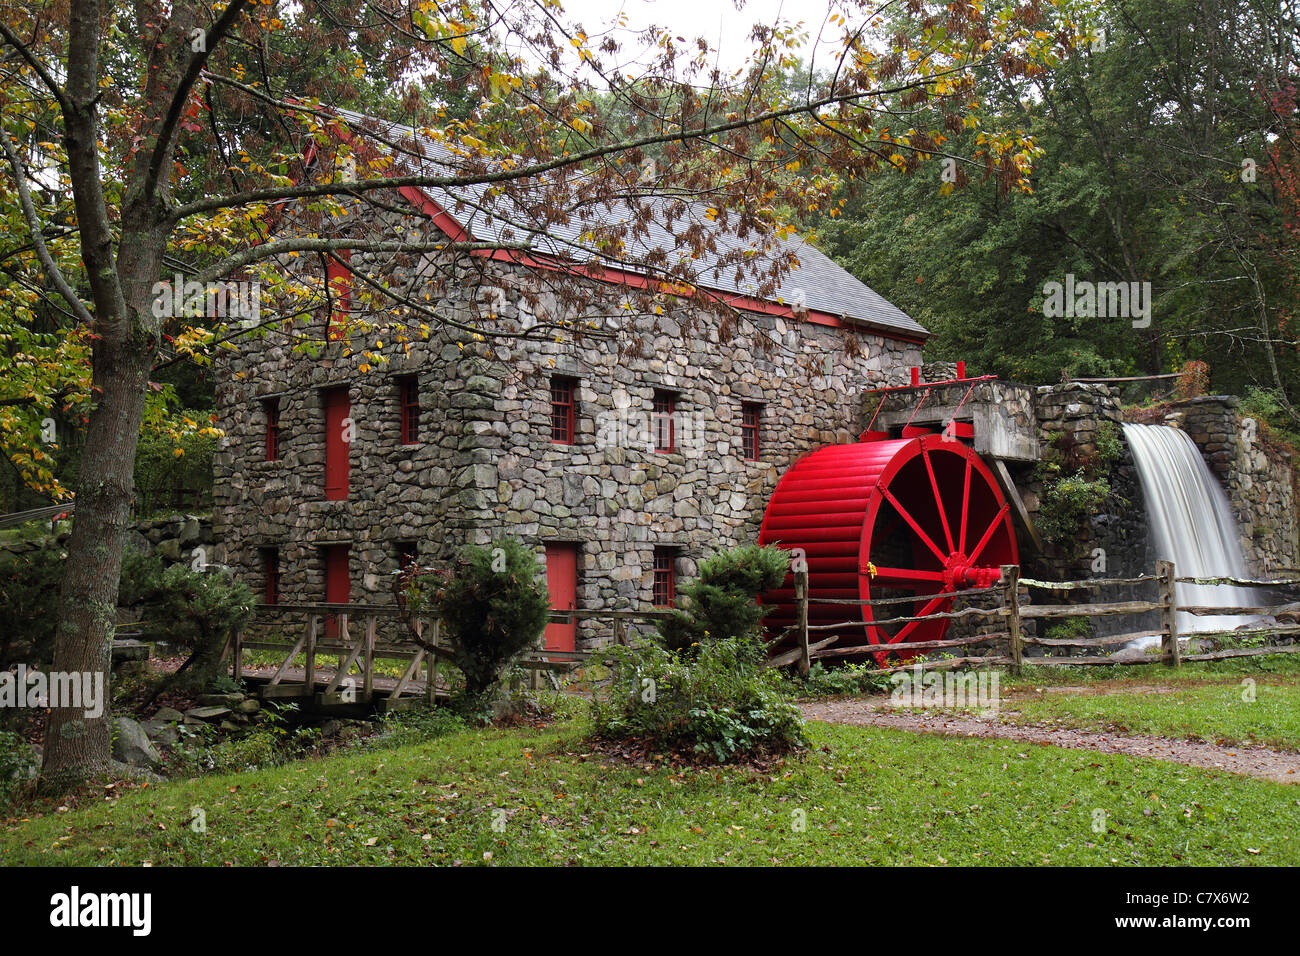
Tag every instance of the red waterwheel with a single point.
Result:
(913, 520)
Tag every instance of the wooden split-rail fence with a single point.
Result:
(1012, 611)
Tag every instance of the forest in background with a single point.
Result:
(1169, 155)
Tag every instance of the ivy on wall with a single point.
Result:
(1075, 484)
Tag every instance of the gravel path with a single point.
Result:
(1258, 762)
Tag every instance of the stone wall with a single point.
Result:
(1257, 475)
(485, 465)
(174, 538)
(177, 539)
(1002, 413)
(1112, 542)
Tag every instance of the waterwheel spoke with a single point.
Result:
(905, 576)
(907, 516)
(988, 535)
(938, 499)
(907, 628)
(965, 508)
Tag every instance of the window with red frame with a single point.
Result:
(751, 413)
(271, 406)
(339, 279)
(271, 575)
(665, 580)
(662, 421)
(563, 410)
(408, 397)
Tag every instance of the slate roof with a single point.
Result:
(818, 281)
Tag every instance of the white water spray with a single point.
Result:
(1191, 524)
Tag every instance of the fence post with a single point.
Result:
(801, 622)
(1011, 603)
(309, 664)
(369, 678)
(237, 652)
(432, 689)
(620, 631)
(1168, 614)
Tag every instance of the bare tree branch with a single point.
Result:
(52, 271)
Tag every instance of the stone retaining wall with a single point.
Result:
(1258, 476)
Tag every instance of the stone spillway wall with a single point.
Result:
(1257, 474)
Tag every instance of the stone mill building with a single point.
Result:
(622, 466)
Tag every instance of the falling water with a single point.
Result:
(1191, 523)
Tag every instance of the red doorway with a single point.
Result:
(338, 584)
(337, 442)
(562, 583)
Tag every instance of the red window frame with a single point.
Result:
(751, 417)
(664, 592)
(563, 410)
(338, 277)
(408, 400)
(271, 407)
(271, 575)
(663, 422)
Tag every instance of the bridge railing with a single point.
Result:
(359, 635)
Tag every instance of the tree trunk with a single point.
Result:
(77, 747)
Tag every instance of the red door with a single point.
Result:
(338, 586)
(562, 583)
(338, 437)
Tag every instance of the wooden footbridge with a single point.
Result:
(284, 663)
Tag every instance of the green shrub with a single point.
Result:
(142, 572)
(202, 748)
(1067, 501)
(1110, 446)
(17, 761)
(851, 678)
(1068, 629)
(197, 610)
(721, 703)
(492, 607)
(721, 602)
(415, 726)
(29, 605)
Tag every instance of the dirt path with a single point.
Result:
(1251, 761)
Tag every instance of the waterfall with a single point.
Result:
(1191, 524)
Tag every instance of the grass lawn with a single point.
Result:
(528, 796)
(1201, 702)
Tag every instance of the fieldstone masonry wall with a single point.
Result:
(485, 465)
(1113, 542)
